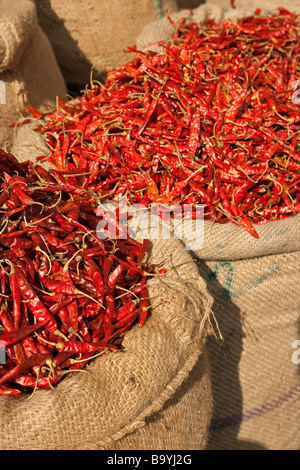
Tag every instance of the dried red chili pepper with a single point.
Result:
(34, 303)
(73, 315)
(5, 391)
(16, 335)
(34, 360)
(79, 347)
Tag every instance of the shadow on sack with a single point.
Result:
(224, 363)
(49, 20)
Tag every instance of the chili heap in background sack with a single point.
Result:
(29, 73)
(256, 292)
(231, 145)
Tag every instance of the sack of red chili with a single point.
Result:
(204, 118)
(254, 282)
(26, 57)
(68, 297)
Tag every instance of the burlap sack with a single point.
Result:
(28, 144)
(161, 30)
(180, 423)
(29, 74)
(91, 33)
(256, 384)
(155, 394)
(254, 283)
(270, 5)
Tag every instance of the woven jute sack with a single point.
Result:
(256, 291)
(29, 74)
(94, 33)
(161, 30)
(155, 393)
(270, 5)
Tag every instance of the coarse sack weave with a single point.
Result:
(87, 33)
(156, 394)
(29, 74)
(269, 5)
(256, 291)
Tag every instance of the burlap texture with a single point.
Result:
(87, 33)
(255, 287)
(269, 5)
(28, 69)
(15, 26)
(96, 409)
(256, 385)
(177, 424)
(161, 30)
(231, 242)
(28, 144)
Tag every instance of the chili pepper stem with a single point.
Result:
(38, 370)
(62, 373)
(59, 333)
(76, 361)
(66, 266)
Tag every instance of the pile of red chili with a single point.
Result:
(208, 120)
(66, 295)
